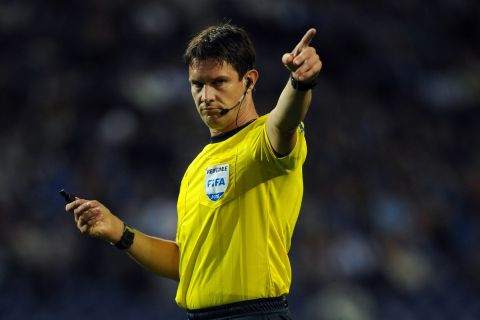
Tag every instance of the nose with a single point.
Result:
(207, 95)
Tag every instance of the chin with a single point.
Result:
(215, 122)
(213, 119)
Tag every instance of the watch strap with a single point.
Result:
(127, 238)
(302, 86)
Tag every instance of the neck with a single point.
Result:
(224, 136)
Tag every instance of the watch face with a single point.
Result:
(127, 239)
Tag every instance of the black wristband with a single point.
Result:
(302, 86)
(127, 238)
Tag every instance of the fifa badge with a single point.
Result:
(216, 181)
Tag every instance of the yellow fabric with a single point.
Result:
(236, 248)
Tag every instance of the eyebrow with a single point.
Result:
(209, 79)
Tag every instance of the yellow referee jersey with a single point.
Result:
(237, 208)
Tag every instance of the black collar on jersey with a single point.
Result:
(224, 136)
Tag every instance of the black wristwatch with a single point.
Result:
(302, 86)
(127, 238)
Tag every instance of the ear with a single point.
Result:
(251, 79)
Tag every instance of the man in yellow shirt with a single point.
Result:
(240, 198)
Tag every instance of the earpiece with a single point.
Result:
(249, 83)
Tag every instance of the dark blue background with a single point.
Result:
(94, 98)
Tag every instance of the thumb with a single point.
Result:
(287, 60)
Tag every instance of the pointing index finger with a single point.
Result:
(305, 42)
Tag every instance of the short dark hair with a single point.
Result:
(222, 43)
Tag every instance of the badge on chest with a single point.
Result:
(216, 181)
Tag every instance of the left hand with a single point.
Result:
(303, 62)
(96, 220)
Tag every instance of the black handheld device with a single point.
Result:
(67, 196)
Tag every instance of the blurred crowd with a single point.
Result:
(94, 98)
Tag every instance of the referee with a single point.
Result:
(240, 198)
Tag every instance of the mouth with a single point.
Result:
(210, 110)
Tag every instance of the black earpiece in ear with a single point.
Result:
(249, 83)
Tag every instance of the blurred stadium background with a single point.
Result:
(94, 98)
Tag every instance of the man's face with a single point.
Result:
(215, 86)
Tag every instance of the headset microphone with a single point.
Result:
(226, 110)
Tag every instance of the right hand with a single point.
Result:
(94, 219)
(303, 61)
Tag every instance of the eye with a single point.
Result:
(196, 85)
(218, 82)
